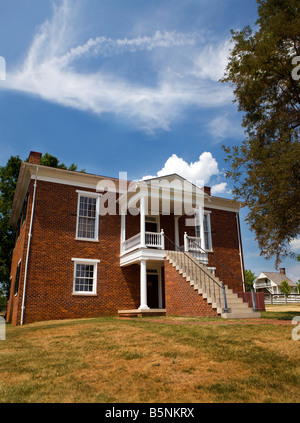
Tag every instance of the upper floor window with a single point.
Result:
(206, 226)
(206, 244)
(17, 280)
(88, 216)
(24, 210)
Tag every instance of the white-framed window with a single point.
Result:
(207, 243)
(85, 276)
(17, 279)
(88, 216)
(207, 231)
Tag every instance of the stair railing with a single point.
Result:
(191, 270)
(225, 267)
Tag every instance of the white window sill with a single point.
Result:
(87, 239)
(84, 294)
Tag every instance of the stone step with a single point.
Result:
(241, 315)
(209, 288)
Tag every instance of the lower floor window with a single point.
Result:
(85, 276)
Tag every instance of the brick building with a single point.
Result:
(89, 246)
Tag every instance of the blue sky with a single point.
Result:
(125, 85)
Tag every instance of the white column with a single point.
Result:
(142, 222)
(162, 234)
(186, 247)
(123, 231)
(201, 223)
(143, 282)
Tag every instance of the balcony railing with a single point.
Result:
(156, 240)
(131, 243)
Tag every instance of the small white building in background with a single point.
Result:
(269, 282)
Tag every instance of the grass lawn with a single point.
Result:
(151, 360)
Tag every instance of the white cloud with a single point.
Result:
(107, 47)
(222, 127)
(220, 189)
(51, 72)
(295, 244)
(198, 172)
(211, 61)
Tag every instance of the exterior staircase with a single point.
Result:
(210, 287)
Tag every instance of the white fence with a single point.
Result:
(282, 298)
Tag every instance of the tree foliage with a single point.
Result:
(8, 181)
(249, 279)
(52, 161)
(265, 167)
(285, 288)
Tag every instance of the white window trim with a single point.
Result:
(92, 195)
(87, 262)
(207, 213)
(19, 264)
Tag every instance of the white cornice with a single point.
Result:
(59, 176)
(185, 192)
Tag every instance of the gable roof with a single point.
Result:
(276, 277)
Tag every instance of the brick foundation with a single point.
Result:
(181, 298)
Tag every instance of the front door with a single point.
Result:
(152, 290)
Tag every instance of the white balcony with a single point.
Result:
(152, 240)
(133, 249)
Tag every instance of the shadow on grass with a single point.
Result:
(279, 315)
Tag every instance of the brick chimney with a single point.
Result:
(282, 271)
(34, 157)
(207, 190)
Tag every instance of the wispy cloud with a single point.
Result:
(222, 126)
(51, 71)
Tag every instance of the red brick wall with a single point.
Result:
(53, 245)
(15, 301)
(50, 270)
(181, 299)
(225, 245)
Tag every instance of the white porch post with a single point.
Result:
(186, 247)
(162, 234)
(201, 224)
(143, 282)
(142, 222)
(123, 231)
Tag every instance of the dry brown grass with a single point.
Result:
(108, 360)
(283, 307)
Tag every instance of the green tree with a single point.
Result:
(52, 161)
(8, 181)
(249, 279)
(265, 167)
(285, 288)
